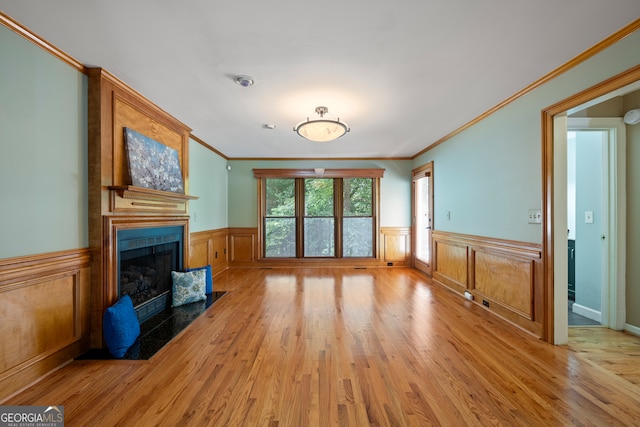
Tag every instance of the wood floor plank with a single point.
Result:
(617, 352)
(342, 347)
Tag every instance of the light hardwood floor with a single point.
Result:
(324, 347)
(613, 351)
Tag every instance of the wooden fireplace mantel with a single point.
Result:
(114, 203)
(133, 192)
(129, 198)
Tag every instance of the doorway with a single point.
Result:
(422, 201)
(555, 126)
(588, 220)
(600, 156)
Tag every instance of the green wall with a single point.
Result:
(43, 151)
(490, 175)
(633, 214)
(395, 187)
(208, 180)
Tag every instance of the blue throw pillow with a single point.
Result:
(208, 278)
(188, 287)
(120, 326)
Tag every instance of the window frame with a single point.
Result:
(341, 218)
(301, 198)
(299, 175)
(266, 217)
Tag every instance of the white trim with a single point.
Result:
(632, 329)
(587, 312)
(560, 256)
(613, 299)
(618, 192)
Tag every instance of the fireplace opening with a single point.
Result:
(146, 258)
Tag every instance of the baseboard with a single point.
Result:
(587, 312)
(632, 329)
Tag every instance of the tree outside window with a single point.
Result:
(357, 221)
(280, 218)
(327, 217)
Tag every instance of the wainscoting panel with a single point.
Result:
(450, 263)
(396, 245)
(503, 276)
(44, 310)
(44, 307)
(243, 248)
(508, 281)
(209, 248)
(200, 245)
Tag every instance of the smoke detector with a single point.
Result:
(245, 81)
(632, 117)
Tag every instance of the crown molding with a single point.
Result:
(40, 42)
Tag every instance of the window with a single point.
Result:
(280, 218)
(303, 215)
(357, 217)
(319, 217)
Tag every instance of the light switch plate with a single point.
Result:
(535, 216)
(588, 217)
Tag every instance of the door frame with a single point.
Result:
(417, 173)
(554, 197)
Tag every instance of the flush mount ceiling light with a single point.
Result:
(245, 81)
(322, 129)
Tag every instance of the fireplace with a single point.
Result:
(145, 259)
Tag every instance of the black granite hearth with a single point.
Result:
(158, 330)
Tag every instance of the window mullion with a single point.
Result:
(299, 189)
(337, 212)
(375, 214)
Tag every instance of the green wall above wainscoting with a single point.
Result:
(43, 151)
(208, 180)
(488, 176)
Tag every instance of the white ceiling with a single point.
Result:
(401, 74)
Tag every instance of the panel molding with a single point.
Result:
(396, 245)
(450, 263)
(243, 251)
(45, 304)
(24, 268)
(243, 248)
(210, 248)
(504, 276)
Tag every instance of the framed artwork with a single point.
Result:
(152, 164)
